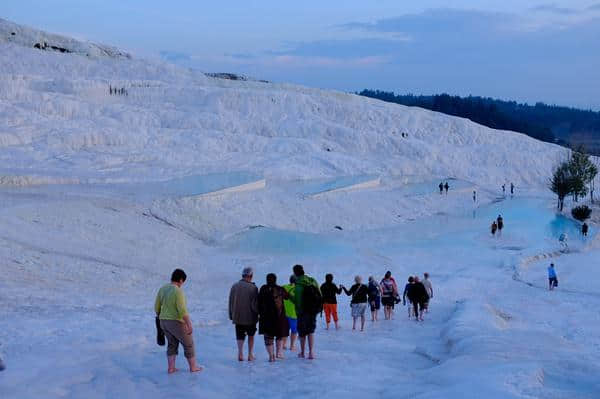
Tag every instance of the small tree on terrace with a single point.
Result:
(561, 183)
(583, 172)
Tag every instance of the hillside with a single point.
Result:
(115, 170)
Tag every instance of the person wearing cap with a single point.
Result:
(170, 307)
(243, 312)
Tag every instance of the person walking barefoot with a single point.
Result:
(243, 312)
(290, 313)
(359, 293)
(170, 307)
(307, 289)
(389, 293)
(272, 322)
(330, 291)
(374, 298)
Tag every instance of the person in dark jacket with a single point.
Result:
(243, 312)
(374, 298)
(446, 187)
(406, 294)
(441, 186)
(359, 293)
(419, 297)
(329, 291)
(500, 223)
(272, 320)
(584, 229)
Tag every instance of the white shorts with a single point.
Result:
(358, 309)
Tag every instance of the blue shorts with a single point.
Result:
(293, 325)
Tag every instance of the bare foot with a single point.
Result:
(251, 358)
(301, 355)
(293, 348)
(279, 356)
(311, 356)
(196, 369)
(241, 358)
(173, 370)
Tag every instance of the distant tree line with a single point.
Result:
(562, 125)
(117, 91)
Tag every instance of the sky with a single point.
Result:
(518, 50)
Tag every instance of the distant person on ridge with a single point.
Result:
(494, 227)
(427, 283)
(504, 190)
(359, 293)
(441, 186)
(407, 294)
(290, 313)
(329, 291)
(552, 279)
(170, 307)
(272, 323)
(512, 189)
(474, 196)
(309, 303)
(584, 229)
(446, 187)
(500, 223)
(374, 298)
(419, 298)
(243, 312)
(389, 293)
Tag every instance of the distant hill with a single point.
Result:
(562, 125)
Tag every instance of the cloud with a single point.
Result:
(554, 9)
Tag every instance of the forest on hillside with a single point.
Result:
(567, 126)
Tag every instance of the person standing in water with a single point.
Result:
(552, 278)
(359, 293)
(500, 223)
(272, 322)
(243, 312)
(290, 313)
(584, 229)
(446, 187)
(330, 291)
(512, 189)
(441, 186)
(374, 298)
(389, 293)
(419, 298)
(170, 307)
(307, 318)
(407, 294)
(494, 228)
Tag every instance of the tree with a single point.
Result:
(583, 172)
(561, 183)
(581, 213)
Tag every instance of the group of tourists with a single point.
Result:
(283, 313)
(443, 186)
(512, 189)
(497, 226)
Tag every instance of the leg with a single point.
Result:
(251, 348)
(284, 342)
(416, 310)
(327, 309)
(362, 322)
(172, 345)
(311, 345)
(240, 344)
(335, 315)
(302, 346)
(171, 364)
(293, 341)
(279, 348)
(269, 348)
(177, 331)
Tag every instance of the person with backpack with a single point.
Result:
(243, 312)
(419, 298)
(374, 298)
(309, 303)
(170, 307)
(494, 228)
(359, 293)
(407, 294)
(500, 223)
(446, 186)
(389, 293)
(290, 313)
(329, 291)
(272, 322)
(552, 278)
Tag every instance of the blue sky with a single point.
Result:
(523, 50)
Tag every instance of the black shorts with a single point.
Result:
(388, 301)
(307, 323)
(241, 331)
(553, 281)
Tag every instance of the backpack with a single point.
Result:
(388, 288)
(312, 300)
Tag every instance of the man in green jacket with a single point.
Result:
(170, 307)
(307, 321)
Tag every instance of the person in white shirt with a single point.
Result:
(427, 283)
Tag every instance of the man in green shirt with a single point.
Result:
(170, 307)
(307, 321)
